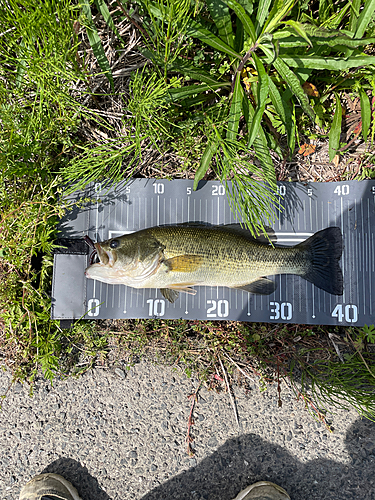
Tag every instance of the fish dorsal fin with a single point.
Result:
(171, 295)
(261, 286)
(184, 263)
(267, 237)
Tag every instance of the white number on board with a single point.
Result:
(93, 306)
(283, 310)
(156, 307)
(349, 312)
(218, 190)
(218, 308)
(158, 188)
(342, 190)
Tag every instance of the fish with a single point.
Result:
(176, 258)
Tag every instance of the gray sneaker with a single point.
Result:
(263, 490)
(49, 487)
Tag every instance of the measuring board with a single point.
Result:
(142, 203)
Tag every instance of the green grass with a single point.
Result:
(223, 90)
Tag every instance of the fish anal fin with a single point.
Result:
(261, 286)
(183, 287)
(169, 294)
(184, 263)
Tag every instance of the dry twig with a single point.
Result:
(189, 439)
(230, 394)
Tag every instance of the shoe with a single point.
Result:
(263, 490)
(49, 487)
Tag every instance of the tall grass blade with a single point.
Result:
(260, 143)
(365, 112)
(235, 109)
(103, 9)
(205, 162)
(283, 110)
(184, 92)
(96, 44)
(262, 94)
(298, 27)
(335, 132)
(354, 14)
(262, 13)
(243, 17)
(365, 18)
(196, 30)
(221, 16)
(294, 85)
(21, 66)
(279, 10)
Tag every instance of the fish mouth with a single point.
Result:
(106, 258)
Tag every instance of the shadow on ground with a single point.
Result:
(247, 459)
(87, 486)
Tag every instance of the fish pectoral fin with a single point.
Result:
(184, 263)
(169, 294)
(262, 286)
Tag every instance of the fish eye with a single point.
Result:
(114, 243)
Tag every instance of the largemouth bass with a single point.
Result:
(175, 258)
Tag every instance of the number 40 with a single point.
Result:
(349, 312)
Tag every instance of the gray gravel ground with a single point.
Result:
(119, 436)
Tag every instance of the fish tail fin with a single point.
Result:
(323, 251)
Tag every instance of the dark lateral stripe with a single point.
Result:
(71, 246)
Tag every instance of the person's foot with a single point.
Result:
(49, 487)
(263, 490)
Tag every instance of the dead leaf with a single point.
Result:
(310, 89)
(307, 149)
(336, 160)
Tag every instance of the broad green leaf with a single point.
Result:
(103, 9)
(335, 132)
(330, 63)
(205, 162)
(365, 18)
(262, 94)
(96, 43)
(262, 13)
(221, 16)
(299, 29)
(365, 112)
(243, 17)
(196, 30)
(279, 10)
(334, 42)
(235, 109)
(184, 92)
(283, 110)
(294, 85)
